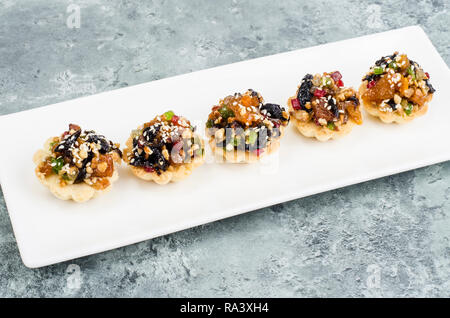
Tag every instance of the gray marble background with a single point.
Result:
(387, 237)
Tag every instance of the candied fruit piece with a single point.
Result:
(380, 91)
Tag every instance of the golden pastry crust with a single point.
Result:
(321, 133)
(240, 156)
(172, 174)
(391, 117)
(80, 192)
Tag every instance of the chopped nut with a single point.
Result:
(102, 167)
(165, 154)
(409, 92)
(302, 116)
(267, 122)
(147, 150)
(322, 121)
(83, 154)
(72, 171)
(316, 80)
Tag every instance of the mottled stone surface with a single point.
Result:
(388, 237)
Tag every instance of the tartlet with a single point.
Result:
(242, 128)
(78, 165)
(323, 108)
(396, 89)
(165, 149)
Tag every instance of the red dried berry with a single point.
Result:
(336, 76)
(149, 169)
(428, 75)
(340, 83)
(319, 93)
(175, 119)
(295, 104)
(371, 84)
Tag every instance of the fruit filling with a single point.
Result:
(81, 156)
(324, 100)
(167, 140)
(244, 122)
(397, 84)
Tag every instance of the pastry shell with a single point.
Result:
(80, 192)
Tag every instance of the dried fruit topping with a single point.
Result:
(371, 77)
(351, 107)
(295, 104)
(328, 102)
(82, 156)
(272, 110)
(245, 122)
(397, 80)
(385, 60)
(149, 133)
(430, 87)
(304, 93)
(333, 107)
(152, 145)
(322, 112)
(149, 169)
(74, 127)
(336, 76)
(319, 92)
(381, 90)
(175, 119)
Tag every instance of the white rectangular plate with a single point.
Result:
(49, 230)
